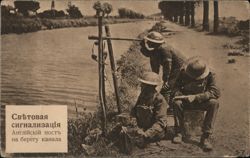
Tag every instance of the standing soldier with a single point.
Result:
(196, 90)
(165, 56)
(150, 109)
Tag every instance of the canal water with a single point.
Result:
(55, 66)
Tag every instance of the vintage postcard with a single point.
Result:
(112, 78)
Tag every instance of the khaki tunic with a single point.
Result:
(151, 113)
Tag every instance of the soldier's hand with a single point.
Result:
(165, 86)
(191, 98)
(124, 129)
(141, 133)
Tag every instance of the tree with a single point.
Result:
(74, 12)
(206, 15)
(162, 5)
(104, 8)
(52, 5)
(181, 12)
(25, 6)
(6, 10)
(107, 8)
(127, 13)
(216, 16)
(51, 14)
(187, 13)
(192, 12)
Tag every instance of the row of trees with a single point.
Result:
(127, 13)
(184, 12)
(29, 8)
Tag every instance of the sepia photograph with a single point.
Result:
(125, 78)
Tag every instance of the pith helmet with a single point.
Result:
(150, 78)
(196, 68)
(154, 37)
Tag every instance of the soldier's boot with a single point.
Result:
(177, 138)
(205, 143)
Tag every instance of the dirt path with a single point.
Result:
(231, 135)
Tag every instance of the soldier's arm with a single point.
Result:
(155, 65)
(133, 110)
(160, 112)
(167, 64)
(178, 84)
(212, 91)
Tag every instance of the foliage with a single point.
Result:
(52, 14)
(79, 129)
(105, 8)
(25, 6)
(19, 25)
(6, 10)
(170, 9)
(74, 12)
(127, 13)
(16, 24)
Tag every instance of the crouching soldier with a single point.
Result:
(196, 90)
(150, 109)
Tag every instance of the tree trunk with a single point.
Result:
(175, 18)
(216, 16)
(181, 12)
(181, 20)
(192, 9)
(187, 14)
(205, 15)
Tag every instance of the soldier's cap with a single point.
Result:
(154, 37)
(196, 68)
(150, 78)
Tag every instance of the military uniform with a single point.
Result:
(205, 94)
(171, 62)
(150, 113)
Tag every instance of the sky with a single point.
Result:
(237, 8)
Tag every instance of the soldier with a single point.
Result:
(165, 56)
(150, 110)
(196, 90)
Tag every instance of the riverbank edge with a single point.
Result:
(85, 128)
(21, 25)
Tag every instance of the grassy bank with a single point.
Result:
(24, 25)
(81, 129)
(230, 26)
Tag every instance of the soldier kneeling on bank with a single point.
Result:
(150, 109)
(195, 89)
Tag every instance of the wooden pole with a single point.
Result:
(114, 38)
(216, 16)
(113, 69)
(101, 74)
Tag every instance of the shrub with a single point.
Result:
(74, 12)
(127, 13)
(20, 25)
(52, 14)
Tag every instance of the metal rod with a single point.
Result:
(114, 38)
(113, 69)
(101, 74)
